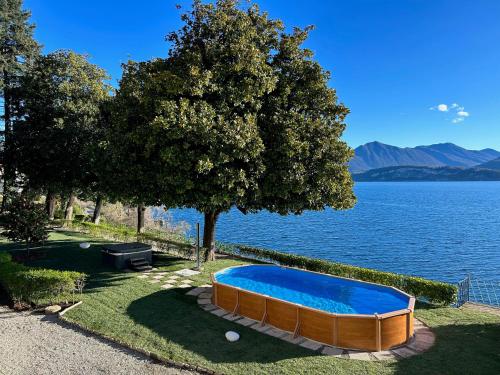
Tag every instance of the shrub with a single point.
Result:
(35, 285)
(26, 221)
(433, 291)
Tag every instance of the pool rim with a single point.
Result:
(409, 309)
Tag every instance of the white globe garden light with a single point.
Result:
(84, 245)
(232, 336)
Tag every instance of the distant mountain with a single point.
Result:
(405, 173)
(493, 164)
(378, 155)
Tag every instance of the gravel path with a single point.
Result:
(39, 344)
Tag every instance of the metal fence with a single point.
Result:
(471, 289)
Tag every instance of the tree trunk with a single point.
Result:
(97, 210)
(209, 234)
(7, 137)
(50, 204)
(68, 213)
(140, 218)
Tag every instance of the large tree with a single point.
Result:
(62, 95)
(239, 114)
(17, 47)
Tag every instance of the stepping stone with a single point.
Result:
(332, 351)
(204, 301)
(162, 273)
(275, 332)
(289, 338)
(174, 277)
(157, 277)
(384, 355)
(154, 281)
(185, 286)
(167, 286)
(205, 295)
(208, 307)
(206, 286)
(186, 281)
(198, 292)
(245, 322)
(219, 312)
(309, 344)
(231, 317)
(142, 276)
(187, 272)
(404, 352)
(362, 356)
(260, 328)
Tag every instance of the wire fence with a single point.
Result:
(484, 292)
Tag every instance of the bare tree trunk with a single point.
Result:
(97, 210)
(50, 204)
(209, 234)
(68, 213)
(140, 218)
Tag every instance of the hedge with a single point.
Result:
(432, 291)
(34, 285)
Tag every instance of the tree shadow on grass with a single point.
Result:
(175, 317)
(459, 349)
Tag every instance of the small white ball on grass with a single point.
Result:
(232, 336)
(84, 245)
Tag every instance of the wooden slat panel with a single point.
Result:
(393, 331)
(226, 297)
(282, 315)
(316, 326)
(356, 333)
(252, 306)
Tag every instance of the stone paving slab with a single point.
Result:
(167, 286)
(185, 286)
(142, 276)
(362, 356)
(186, 281)
(310, 344)
(423, 339)
(154, 281)
(384, 355)
(187, 272)
(198, 292)
(332, 351)
(206, 286)
(245, 322)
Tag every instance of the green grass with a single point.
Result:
(169, 323)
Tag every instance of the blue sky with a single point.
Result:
(394, 63)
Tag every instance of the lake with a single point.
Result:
(437, 230)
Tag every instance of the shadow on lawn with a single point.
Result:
(176, 317)
(459, 349)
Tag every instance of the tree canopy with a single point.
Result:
(238, 114)
(62, 96)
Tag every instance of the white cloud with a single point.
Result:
(458, 111)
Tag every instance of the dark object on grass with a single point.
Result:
(135, 255)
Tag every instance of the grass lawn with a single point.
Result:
(169, 323)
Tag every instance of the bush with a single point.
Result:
(433, 291)
(35, 285)
(26, 221)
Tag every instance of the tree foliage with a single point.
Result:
(17, 47)
(238, 114)
(62, 97)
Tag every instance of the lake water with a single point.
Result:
(438, 230)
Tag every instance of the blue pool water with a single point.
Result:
(314, 290)
(437, 230)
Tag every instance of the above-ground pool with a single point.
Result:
(337, 311)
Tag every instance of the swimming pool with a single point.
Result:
(337, 311)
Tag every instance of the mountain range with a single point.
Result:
(379, 155)
(376, 161)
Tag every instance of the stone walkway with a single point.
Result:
(423, 339)
(169, 280)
